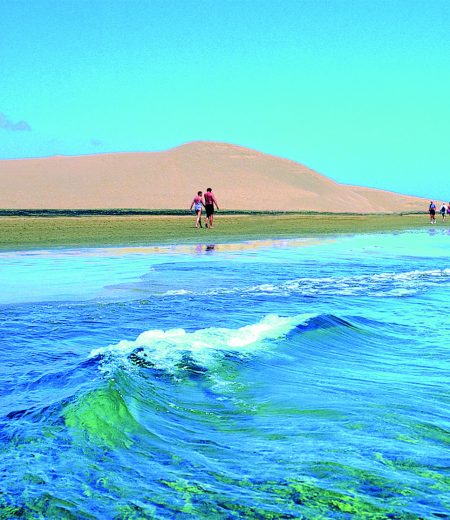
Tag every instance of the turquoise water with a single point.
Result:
(287, 379)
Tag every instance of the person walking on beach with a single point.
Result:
(210, 200)
(198, 204)
(443, 211)
(432, 212)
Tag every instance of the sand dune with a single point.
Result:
(241, 178)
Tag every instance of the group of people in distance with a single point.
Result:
(445, 210)
(208, 201)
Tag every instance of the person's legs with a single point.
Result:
(199, 217)
(209, 214)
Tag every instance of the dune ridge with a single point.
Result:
(242, 178)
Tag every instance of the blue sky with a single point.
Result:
(356, 89)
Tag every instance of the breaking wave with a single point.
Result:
(168, 350)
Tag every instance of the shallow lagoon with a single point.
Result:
(278, 379)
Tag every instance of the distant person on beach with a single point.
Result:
(210, 201)
(432, 212)
(443, 211)
(197, 204)
(448, 208)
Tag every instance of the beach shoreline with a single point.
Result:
(44, 232)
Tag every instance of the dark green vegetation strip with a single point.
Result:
(18, 233)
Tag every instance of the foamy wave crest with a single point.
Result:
(168, 350)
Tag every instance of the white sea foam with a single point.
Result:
(177, 292)
(165, 349)
(378, 285)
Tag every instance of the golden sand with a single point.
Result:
(242, 179)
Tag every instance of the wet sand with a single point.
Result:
(19, 233)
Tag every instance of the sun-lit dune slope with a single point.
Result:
(242, 179)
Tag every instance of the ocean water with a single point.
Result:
(304, 378)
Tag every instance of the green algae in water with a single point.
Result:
(43, 508)
(279, 499)
(103, 417)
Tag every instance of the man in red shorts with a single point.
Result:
(210, 201)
